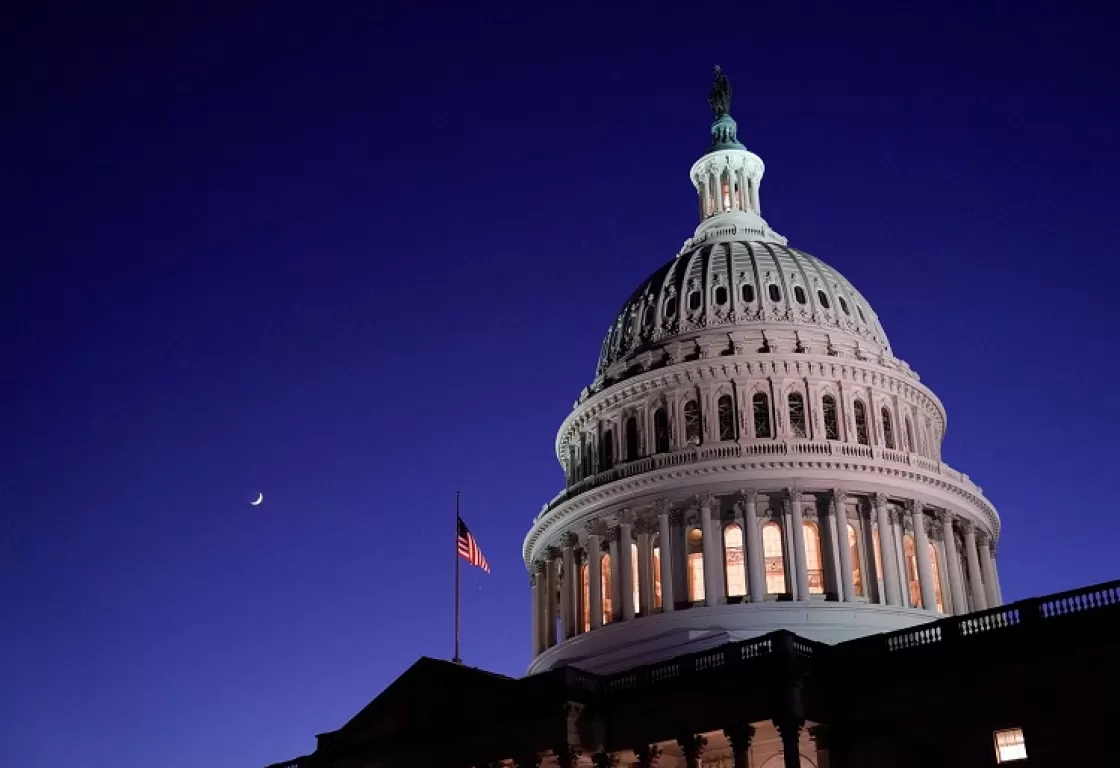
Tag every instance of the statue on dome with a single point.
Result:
(719, 99)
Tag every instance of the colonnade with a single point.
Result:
(790, 545)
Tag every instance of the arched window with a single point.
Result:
(774, 562)
(747, 292)
(853, 549)
(909, 436)
(797, 414)
(606, 452)
(725, 409)
(844, 306)
(733, 561)
(912, 570)
(831, 418)
(585, 588)
(822, 297)
(695, 541)
(721, 295)
(670, 306)
(861, 423)
(692, 421)
(936, 573)
(888, 428)
(605, 587)
(632, 438)
(694, 301)
(761, 406)
(634, 576)
(799, 294)
(775, 292)
(657, 571)
(814, 563)
(660, 431)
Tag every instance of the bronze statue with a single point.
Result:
(719, 99)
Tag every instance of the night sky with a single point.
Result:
(357, 259)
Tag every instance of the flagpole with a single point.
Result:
(457, 660)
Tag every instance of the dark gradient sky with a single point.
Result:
(357, 259)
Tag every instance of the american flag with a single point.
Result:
(469, 549)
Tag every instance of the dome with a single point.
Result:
(750, 456)
(733, 284)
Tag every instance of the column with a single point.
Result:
(740, 737)
(887, 551)
(645, 569)
(551, 584)
(533, 580)
(987, 570)
(790, 730)
(820, 735)
(953, 564)
(793, 504)
(567, 591)
(979, 601)
(713, 567)
(995, 577)
(756, 571)
(921, 551)
(664, 541)
(616, 571)
(831, 550)
(626, 563)
(594, 553)
(840, 517)
(647, 755)
(692, 746)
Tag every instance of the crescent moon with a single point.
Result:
(260, 498)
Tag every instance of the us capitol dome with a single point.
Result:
(749, 456)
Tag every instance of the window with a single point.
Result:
(657, 572)
(910, 436)
(853, 549)
(1010, 745)
(936, 573)
(774, 562)
(910, 554)
(862, 319)
(888, 428)
(606, 453)
(605, 587)
(822, 297)
(799, 294)
(585, 608)
(695, 541)
(733, 562)
(692, 421)
(670, 306)
(775, 292)
(761, 406)
(634, 576)
(660, 431)
(721, 295)
(861, 423)
(831, 418)
(725, 409)
(843, 305)
(813, 561)
(694, 301)
(647, 319)
(797, 414)
(748, 292)
(632, 438)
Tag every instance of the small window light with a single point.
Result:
(1010, 745)
(748, 292)
(799, 294)
(775, 293)
(721, 295)
(822, 297)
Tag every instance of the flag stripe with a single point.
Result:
(469, 549)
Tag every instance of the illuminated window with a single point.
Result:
(634, 575)
(605, 587)
(936, 577)
(831, 418)
(761, 407)
(912, 570)
(773, 560)
(725, 410)
(733, 561)
(797, 414)
(585, 587)
(631, 438)
(888, 429)
(725, 189)
(695, 565)
(748, 292)
(606, 452)
(660, 431)
(853, 549)
(657, 572)
(861, 422)
(692, 421)
(822, 297)
(813, 561)
(1010, 745)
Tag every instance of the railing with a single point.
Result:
(731, 450)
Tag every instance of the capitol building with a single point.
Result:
(759, 558)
